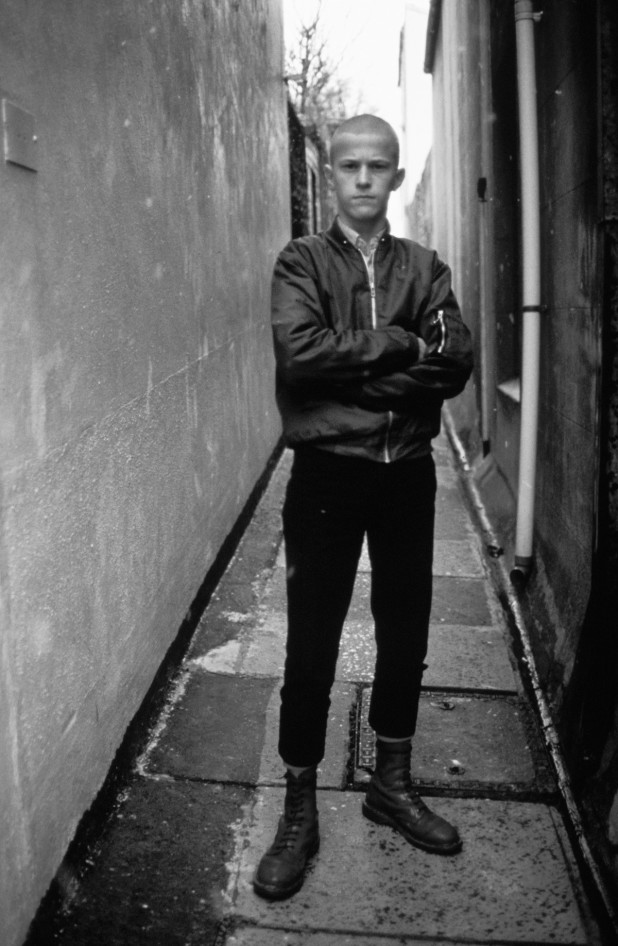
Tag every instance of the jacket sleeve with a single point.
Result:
(446, 366)
(308, 350)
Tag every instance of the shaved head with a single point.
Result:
(363, 172)
(366, 125)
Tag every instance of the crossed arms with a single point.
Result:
(391, 367)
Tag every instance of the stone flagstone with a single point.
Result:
(511, 883)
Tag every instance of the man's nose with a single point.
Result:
(363, 178)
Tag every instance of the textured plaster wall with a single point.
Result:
(136, 375)
(455, 168)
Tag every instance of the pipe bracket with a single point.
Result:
(534, 15)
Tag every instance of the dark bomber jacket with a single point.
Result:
(345, 385)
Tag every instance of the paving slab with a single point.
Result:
(512, 883)
(233, 607)
(458, 656)
(357, 651)
(160, 872)
(451, 520)
(460, 557)
(461, 601)
(215, 730)
(476, 658)
(274, 595)
(332, 772)
(464, 742)
(455, 600)
(257, 651)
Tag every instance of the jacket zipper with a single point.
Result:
(389, 423)
(439, 320)
(386, 455)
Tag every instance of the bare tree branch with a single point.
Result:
(316, 90)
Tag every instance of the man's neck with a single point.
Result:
(365, 233)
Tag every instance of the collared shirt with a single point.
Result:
(367, 248)
(368, 252)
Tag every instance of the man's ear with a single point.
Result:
(398, 179)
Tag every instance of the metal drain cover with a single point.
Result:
(468, 744)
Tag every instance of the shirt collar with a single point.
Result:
(366, 248)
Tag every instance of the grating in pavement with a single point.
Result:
(468, 744)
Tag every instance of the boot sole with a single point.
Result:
(380, 817)
(269, 892)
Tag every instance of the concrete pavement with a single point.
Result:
(174, 864)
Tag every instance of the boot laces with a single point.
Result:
(292, 821)
(406, 787)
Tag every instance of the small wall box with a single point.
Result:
(20, 140)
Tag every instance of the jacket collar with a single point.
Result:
(337, 234)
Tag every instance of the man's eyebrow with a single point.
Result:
(379, 159)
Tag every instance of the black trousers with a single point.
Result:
(331, 503)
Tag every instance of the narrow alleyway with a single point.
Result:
(176, 860)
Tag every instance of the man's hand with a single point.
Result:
(422, 348)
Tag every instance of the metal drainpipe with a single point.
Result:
(525, 17)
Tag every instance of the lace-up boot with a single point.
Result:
(281, 870)
(391, 800)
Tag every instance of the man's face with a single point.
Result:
(363, 172)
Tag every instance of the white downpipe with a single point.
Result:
(525, 18)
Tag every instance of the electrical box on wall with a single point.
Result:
(20, 141)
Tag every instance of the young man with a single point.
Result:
(368, 341)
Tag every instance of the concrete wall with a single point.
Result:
(136, 374)
(419, 213)
(455, 163)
